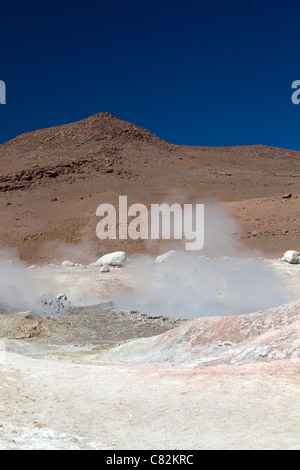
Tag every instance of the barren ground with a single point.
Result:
(78, 382)
(103, 378)
(50, 404)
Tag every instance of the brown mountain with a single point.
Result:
(52, 180)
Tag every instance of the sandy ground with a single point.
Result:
(55, 405)
(58, 392)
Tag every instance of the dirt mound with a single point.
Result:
(262, 336)
(99, 325)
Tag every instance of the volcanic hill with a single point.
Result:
(52, 180)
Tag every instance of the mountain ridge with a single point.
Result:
(59, 175)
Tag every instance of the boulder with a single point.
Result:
(67, 263)
(116, 258)
(292, 257)
(165, 257)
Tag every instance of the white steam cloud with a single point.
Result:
(224, 278)
(20, 293)
(191, 287)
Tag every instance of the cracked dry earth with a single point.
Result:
(210, 383)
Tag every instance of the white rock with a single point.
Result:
(165, 257)
(105, 269)
(111, 259)
(67, 263)
(291, 256)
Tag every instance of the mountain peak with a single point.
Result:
(103, 115)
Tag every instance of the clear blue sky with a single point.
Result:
(193, 72)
